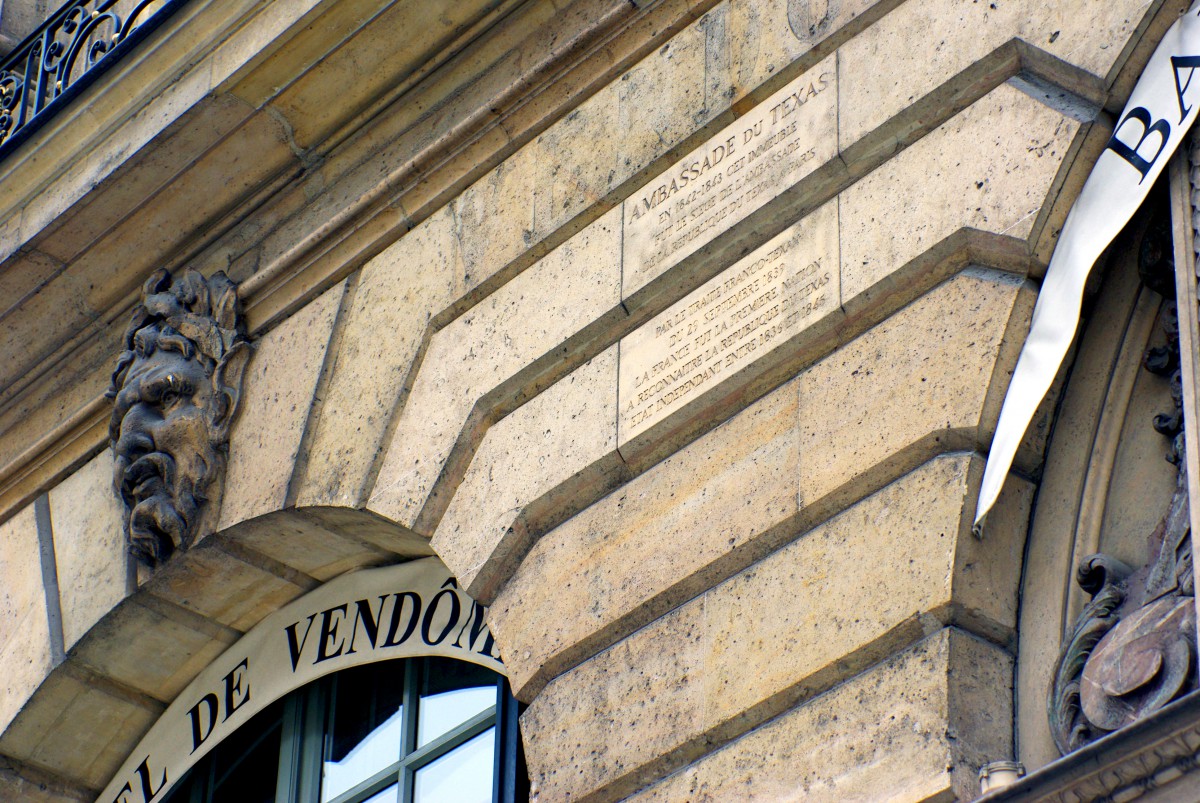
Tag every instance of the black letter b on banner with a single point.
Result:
(1133, 155)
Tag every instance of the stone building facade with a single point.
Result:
(676, 331)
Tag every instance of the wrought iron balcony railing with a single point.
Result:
(69, 51)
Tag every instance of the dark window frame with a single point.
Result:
(304, 718)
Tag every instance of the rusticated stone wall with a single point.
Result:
(691, 387)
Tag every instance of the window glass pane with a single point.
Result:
(451, 693)
(250, 776)
(463, 775)
(389, 795)
(365, 726)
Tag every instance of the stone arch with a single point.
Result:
(127, 660)
(398, 611)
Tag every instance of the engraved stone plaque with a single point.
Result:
(751, 161)
(737, 318)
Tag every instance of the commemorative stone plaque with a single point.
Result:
(751, 161)
(735, 319)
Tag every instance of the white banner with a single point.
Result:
(373, 615)
(1162, 107)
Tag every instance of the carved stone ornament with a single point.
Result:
(175, 390)
(1133, 648)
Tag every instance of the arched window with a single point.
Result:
(419, 729)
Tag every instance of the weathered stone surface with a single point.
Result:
(537, 314)
(621, 554)
(915, 727)
(222, 588)
(926, 379)
(395, 296)
(755, 306)
(277, 395)
(563, 441)
(24, 630)
(301, 543)
(739, 169)
(843, 596)
(58, 732)
(89, 547)
(369, 57)
(145, 650)
(30, 786)
(370, 529)
(988, 168)
(884, 73)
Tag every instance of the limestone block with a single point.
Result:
(207, 189)
(989, 168)
(915, 727)
(847, 594)
(370, 529)
(89, 547)
(920, 382)
(23, 275)
(563, 441)
(396, 294)
(666, 97)
(645, 546)
(886, 70)
(570, 176)
(25, 654)
(221, 587)
(58, 732)
(301, 543)
(18, 783)
(493, 218)
(766, 36)
(277, 394)
(538, 315)
(144, 174)
(145, 650)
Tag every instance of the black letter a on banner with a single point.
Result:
(1189, 63)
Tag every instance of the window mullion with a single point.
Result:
(408, 739)
(376, 783)
(451, 739)
(290, 743)
(504, 772)
(312, 742)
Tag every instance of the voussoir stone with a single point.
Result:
(847, 594)
(278, 391)
(599, 566)
(396, 294)
(924, 380)
(885, 70)
(567, 433)
(915, 727)
(493, 344)
(989, 168)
